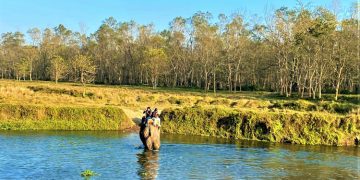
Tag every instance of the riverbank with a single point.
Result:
(311, 128)
(242, 115)
(41, 117)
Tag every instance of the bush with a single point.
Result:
(225, 102)
(173, 100)
(72, 92)
(33, 117)
(335, 107)
(250, 87)
(146, 98)
(299, 128)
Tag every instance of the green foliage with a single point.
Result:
(303, 105)
(298, 128)
(174, 100)
(57, 68)
(301, 48)
(71, 92)
(34, 117)
(88, 173)
(221, 101)
(145, 98)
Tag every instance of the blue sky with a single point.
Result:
(20, 15)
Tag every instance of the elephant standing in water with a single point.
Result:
(150, 135)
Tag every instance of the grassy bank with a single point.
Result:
(250, 115)
(289, 127)
(41, 117)
(136, 98)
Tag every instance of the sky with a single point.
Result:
(21, 15)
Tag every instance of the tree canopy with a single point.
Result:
(297, 51)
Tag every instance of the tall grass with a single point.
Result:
(137, 98)
(46, 105)
(35, 117)
(290, 127)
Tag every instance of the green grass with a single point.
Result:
(244, 115)
(289, 127)
(40, 117)
(138, 97)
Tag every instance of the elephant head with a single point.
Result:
(150, 136)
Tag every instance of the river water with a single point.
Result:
(116, 155)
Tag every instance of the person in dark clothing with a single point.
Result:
(147, 112)
(147, 116)
(154, 113)
(143, 121)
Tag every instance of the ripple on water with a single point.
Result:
(114, 155)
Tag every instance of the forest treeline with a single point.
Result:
(299, 51)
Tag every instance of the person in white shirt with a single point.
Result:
(157, 121)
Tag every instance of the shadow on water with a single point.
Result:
(149, 164)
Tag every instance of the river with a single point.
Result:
(116, 155)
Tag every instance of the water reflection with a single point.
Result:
(65, 154)
(64, 133)
(149, 165)
(190, 139)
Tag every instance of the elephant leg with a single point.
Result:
(156, 145)
(155, 138)
(144, 135)
(149, 143)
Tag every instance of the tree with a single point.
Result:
(58, 68)
(85, 69)
(156, 61)
(12, 44)
(304, 50)
(235, 41)
(176, 49)
(35, 35)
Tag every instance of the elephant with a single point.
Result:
(150, 135)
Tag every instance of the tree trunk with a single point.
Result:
(206, 80)
(175, 79)
(239, 82)
(30, 72)
(214, 81)
(229, 78)
(337, 91)
(84, 90)
(320, 95)
(235, 82)
(82, 77)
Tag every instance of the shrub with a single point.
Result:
(88, 173)
(299, 128)
(173, 100)
(335, 107)
(146, 98)
(220, 102)
(71, 92)
(35, 117)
